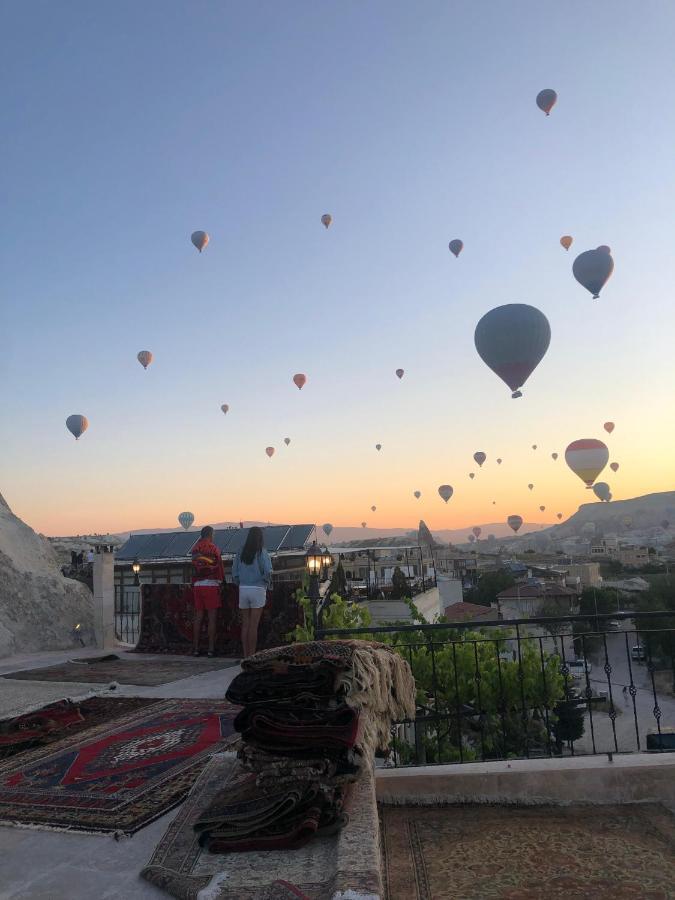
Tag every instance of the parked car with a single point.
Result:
(615, 624)
(663, 741)
(637, 652)
(579, 667)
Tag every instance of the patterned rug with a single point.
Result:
(589, 852)
(116, 777)
(348, 861)
(167, 613)
(52, 722)
(146, 672)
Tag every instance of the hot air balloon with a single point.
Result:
(445, 492)
(499, 461)
(534, 446)
(512, 341)
(373, 508)
(554, 455)
(225, 408)
(558, 515)
(530, 486)
(400, 373)
(546, 100)
(287, 441)
(144, 357)
(609, 427)
(186, 519)
(472, 475)
(592, 270)
(614, 466)
(363, 524)
(601, 491)
(494, 502)
(542, 508)
(566, 241)
(587, 458)
(603, 248)
(417, 495)
(627, 521)
(200, 239)
(77, 425)
(514, 522)
(479, 457)
(299, 380)
(326, 220)
(665, 524)
(470, 538)
(456, 246)
(477, 531)
(327, 528)
(269, 451)
(378, 446)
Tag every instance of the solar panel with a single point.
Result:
(129, 550)
(273, 535)
(297, 537)
(181, 544)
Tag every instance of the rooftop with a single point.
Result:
(178, 544)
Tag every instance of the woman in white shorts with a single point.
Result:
(252, 571)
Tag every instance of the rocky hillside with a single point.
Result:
(620, 516)
(38, 606)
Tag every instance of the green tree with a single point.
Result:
(489, 585)
(569, 722)
(399, 585)
(338, 581)
(337, 613)
(479, 701)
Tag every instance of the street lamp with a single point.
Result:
(314, 562)
(327, 560)
(136, 568)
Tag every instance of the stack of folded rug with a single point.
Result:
(314, 715)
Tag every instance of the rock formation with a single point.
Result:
(38, 606)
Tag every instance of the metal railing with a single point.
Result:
(537, 687)
(127, 613)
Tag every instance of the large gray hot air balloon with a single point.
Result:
(186, 519)
(601, 491)
(592, 270)
(445, 492)
(514, 522)
(144, 357)
(200, 239)
(456, 246)
(327, 528)
(77, 425)
(546, 100)
(512, 341)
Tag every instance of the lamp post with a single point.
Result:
(314, 562)
(327, 561)
(136, 568)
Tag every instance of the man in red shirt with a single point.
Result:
(207, 579)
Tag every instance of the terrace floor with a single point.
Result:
(501, 829)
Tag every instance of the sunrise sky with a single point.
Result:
(127, 126)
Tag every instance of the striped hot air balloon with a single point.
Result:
(587, 458)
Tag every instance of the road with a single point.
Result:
(641, 707)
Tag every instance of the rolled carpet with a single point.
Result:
(282, 681)
(291, 727)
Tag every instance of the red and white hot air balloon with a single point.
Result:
(609, 427)
(299, 380)
(269, 451)
(587, 458)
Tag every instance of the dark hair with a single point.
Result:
(207, 531)
(253, 546)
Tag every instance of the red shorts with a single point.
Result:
(206, 597)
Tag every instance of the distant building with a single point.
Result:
(633, 557)
(525, 600)
(467, 612)
(587, 573)
(627, 585)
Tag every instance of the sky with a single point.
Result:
(127, 126)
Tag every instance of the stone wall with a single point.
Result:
(38, 606)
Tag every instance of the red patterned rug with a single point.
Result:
(120, 776)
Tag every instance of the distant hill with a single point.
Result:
(647, 512)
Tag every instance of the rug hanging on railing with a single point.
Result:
(117, 777)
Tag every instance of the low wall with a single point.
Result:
(632, 778)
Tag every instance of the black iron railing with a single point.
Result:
(538, 687)
(127, 613)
